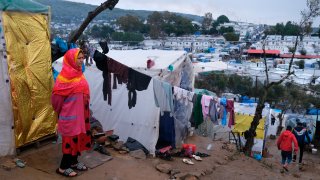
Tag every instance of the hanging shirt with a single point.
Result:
(136, 82)
(107, 66)
(213, 113)
(163, 95)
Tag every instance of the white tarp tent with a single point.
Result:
(248, 109)
(142, 121)
(210, 66)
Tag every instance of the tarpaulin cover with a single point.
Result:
(29, 63)
(243, 122)
(7, 145)
(23, 5)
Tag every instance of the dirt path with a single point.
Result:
(224, 163)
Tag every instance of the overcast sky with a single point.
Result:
(255, 11)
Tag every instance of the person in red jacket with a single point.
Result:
(284, 144)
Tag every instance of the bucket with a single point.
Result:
(191, 147)
(314, 151)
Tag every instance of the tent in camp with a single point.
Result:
(26, 79)
(143, 121)
(244, 113)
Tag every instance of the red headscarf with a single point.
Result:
(71, 79)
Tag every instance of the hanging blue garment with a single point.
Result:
(166, 131)
(223, 102)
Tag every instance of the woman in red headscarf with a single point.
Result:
(70, 99)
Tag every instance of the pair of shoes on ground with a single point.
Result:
(67, 172)
(70, 171)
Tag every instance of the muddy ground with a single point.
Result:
(224, 163)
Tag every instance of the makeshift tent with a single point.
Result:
(244, 114)
(273, 121)
(142, 121)
(210, 66)
(26, 78)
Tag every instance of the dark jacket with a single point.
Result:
(301, 133)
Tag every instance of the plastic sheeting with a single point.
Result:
(243, 122)
(7, 146)
(29, 61)
(23, 5)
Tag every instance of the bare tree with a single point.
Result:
(307, 17)
(110, 4)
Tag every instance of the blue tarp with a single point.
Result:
(211, 50)
(246, 99)
(313, 111)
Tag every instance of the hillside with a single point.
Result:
(66, 12)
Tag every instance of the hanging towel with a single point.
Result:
(230, 109)
(205, 102)
(163, 96)
(136, 82)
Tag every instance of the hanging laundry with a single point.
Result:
(205, 102)
(213, 112)
(136, 82)
(120, 72)
(198, 116)
(167, 136)
(230, 109)
(182, 95)
(163, 95)
(102, 65)
(107, 66)
(182, 113)
(223, 111)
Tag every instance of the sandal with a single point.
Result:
(202, 154)
(66, 173)
(79, 166)
(188, 161)
(198, 158)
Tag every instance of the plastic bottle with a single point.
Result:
(209, 147)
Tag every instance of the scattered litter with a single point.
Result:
(20, 163)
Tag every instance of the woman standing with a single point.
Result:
(70, 99)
